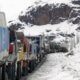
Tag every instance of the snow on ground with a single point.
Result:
(55, 30)
(58, 66)
(64, 27)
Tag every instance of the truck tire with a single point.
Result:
(25, 68)
(18, 76)
(30, 66)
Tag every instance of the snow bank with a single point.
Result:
(64, 27)
(58, 66)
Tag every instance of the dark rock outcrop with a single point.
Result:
(15, 26)
(78, 29)
(74, 13)
(76, 2)
(76, 21)
(46, 14)
(49, 14)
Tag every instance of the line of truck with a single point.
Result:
(19, 54)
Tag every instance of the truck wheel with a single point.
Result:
(25, 68)
(18, 76)
(35, 63)
(30, 66)
(40, 58)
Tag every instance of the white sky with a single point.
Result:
(12, 8)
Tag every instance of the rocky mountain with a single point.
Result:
(49, 14)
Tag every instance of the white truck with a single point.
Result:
(4, 41)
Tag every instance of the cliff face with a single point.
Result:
(47, 14)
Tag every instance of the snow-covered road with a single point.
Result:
(59, 67)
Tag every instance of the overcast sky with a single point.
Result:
(12, 8)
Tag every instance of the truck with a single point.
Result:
(23, 51)
(17, 62)
(4, 43)
(36, 51)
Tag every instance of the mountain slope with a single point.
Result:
(51, 12)
(50, 19)
(47, 14)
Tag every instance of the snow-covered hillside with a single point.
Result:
(50, 18)
(64, 27)
(44, 12)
